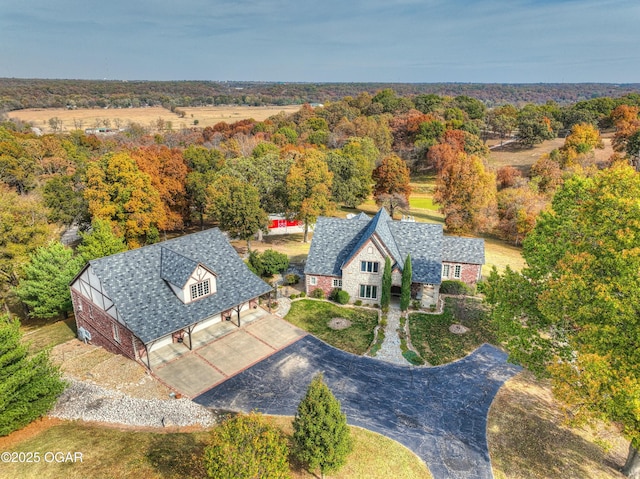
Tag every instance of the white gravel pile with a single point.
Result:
(90, 402)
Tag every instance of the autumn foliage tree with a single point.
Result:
(391, 178)
(119, 192)
(572, 314)
(466, 193)
(583, 139)
(167, 170)
(24, 226)
(518, 210)
(309, 188)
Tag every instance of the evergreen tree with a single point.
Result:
(29, 386)
(385, 295)
(405, 290)
(320, 433)
(45, 286)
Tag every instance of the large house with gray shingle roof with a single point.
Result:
(135, 302)
(349, 254)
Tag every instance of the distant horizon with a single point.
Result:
(299, 41)
(310, 82)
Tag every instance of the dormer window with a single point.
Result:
(198, 290)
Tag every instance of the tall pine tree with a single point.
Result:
(45, 286)
(320, 433)
(385, 296)
(405, 288)
(29, 386)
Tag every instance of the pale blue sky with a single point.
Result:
(503, 41)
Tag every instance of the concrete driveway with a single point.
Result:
(439, 413)
(196, 371)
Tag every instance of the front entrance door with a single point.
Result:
(395, 290)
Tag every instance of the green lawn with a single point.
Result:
(422, 203)
(431, 337)
(112, 453)
(313, 316)
(46, 335)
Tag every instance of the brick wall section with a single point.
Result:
(469, 273)
(100, 325)
(325, 283)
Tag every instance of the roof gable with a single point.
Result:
(378, 226)
(175, 268)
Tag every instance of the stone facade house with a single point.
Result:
(135, 302)
(349, 254)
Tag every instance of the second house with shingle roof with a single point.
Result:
(349, 254)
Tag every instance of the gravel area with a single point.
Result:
(90, 402)
(284, 305)
(390, 350)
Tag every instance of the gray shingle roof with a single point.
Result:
(148, 305)
(378, 225)
(175, 268)
(424, 242)
(335, 240)
(463, 250)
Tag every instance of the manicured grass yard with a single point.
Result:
(112, 453)
(313, 316)
(430, 333)
(422, 202)
(41, 335)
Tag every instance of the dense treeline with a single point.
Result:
(17, 94)
(575, 305)
(132, 188)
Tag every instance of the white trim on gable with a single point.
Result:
(199, 276)
(90, 287)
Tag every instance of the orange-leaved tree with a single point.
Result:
(466, 192)
(167, 170)
(392, 178)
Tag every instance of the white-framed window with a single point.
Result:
(200, 289)
(337, 283)
(457, 271)
(369, 266)
(116, 332)
(445, 270)
(368, 291)
(313, 280)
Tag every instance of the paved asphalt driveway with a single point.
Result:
(439, 413)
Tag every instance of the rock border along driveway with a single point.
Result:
(440, 413)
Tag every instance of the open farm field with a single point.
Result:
(147, 117)
(522, 158)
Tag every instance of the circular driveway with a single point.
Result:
(440, 413)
